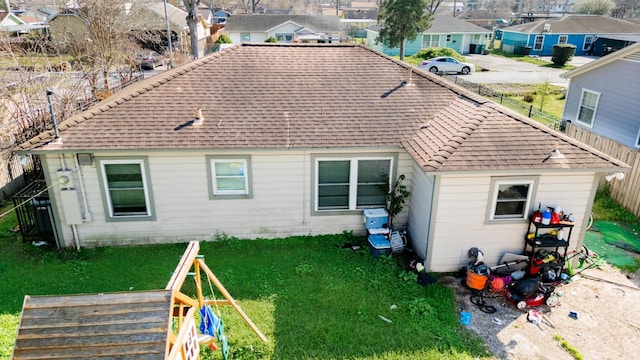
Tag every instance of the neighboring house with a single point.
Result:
(486, 18)
(445, 31)
(273, 140)
(538, 38)
(220, 16)
(602, 98)
(283, 28)
(356, 21)
(14, 25)
(148, 19)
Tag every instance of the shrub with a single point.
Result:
(429, 53)
(271, 39)
(223, 39)
(528, 97)
(561, 53)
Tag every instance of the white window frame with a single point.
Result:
(562, 39)
(586, 45)
(581, 105)
(108, 203)
(538, 46)
(638, 139)
(531, 182)
(245, 37)
(284, 37)
(353, 180)
(214, 192)
(429, 42)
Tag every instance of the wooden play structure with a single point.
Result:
(156, 324)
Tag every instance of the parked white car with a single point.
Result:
(445, 64)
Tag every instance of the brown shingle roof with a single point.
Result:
(314, 96)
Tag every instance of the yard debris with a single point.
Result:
(534, 316)
(385, 319)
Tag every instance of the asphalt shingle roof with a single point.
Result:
(579, 24)
(275, 96)
(253, 23)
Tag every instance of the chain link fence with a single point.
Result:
(521, 107)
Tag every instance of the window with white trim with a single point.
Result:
(245, 37)
(351, 183)
(430, 40)
(510, 198)
(588, 40)
(229, 176)
(126, 188)
(638, 139)
(588, 106)
(537, 43)
(562, 39)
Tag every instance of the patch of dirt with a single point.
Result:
(606, 300)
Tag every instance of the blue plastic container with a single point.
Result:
(465, 318)
(375, 218)
(379, 245)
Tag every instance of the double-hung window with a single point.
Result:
(126, 189)
(537, 42)
(351, 183)
(510, 198)
(588, 105)
(229, 177)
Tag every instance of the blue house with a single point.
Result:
(583, 31)
(603, 99)
(445, 31)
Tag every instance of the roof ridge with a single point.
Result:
(555, 133)
(467, 129)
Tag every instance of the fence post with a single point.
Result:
(530, 108)
(501, 95)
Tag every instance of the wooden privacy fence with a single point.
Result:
(626, 191)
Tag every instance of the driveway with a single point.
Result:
(500, 70)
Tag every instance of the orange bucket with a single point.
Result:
(476, 281)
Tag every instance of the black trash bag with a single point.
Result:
(525, 287)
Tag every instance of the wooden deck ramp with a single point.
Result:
(132, 325)
(156, 324)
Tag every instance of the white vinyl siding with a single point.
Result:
(125, 188)
(461, 212)
(281, 191)
(588, 106)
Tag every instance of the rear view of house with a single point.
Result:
(272, 140)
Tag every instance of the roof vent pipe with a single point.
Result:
(57, 138)
(198, 119)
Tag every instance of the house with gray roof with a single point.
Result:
(284, 28)
(272, 140)
(445, 31)
(602, 99)
(591, 34)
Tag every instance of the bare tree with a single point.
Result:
(104, 43)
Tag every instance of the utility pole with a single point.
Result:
(166, 17)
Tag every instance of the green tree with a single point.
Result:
(401, 20)
(596, 7)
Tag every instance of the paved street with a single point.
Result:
(504, 70)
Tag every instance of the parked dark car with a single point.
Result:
(149, 61)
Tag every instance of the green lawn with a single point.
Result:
(310, 296)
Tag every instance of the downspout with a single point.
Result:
(76, 238)
(85, 203)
